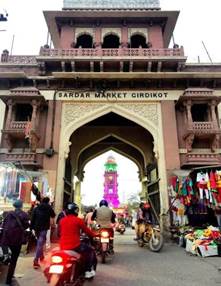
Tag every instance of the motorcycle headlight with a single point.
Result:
(56, 259)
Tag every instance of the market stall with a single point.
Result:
(195, 205)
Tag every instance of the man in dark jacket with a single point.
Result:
(40, 223)
(14, 227)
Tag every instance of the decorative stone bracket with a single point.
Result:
(189, 141)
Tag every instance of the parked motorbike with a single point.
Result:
(152, 237)
(121, 228)
(103, 244)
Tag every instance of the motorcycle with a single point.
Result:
(65, 268)
(103, 244)
(121, 228)
(152, 237)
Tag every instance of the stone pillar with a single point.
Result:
(9, 115)
(77, 194)
(213, 113)
(4, 56)
(34, 114)
(189, 114)
(124, 32)
(67, 37)
(98, 40)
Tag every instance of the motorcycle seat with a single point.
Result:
(72, 253)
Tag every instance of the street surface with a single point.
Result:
(134, 266)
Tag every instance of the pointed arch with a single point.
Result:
(136, 162)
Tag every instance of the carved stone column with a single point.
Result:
(213, 113)
(189, 142)
(35, 105)
(215, 142)
(9, 115)
(189, 114)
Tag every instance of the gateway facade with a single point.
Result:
(111, 82)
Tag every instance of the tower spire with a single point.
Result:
(110, 182)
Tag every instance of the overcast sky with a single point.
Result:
(199, 21)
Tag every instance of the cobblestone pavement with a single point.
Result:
(134, 266)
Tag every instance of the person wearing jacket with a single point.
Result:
(70, 228)
(40, 223)
(14, 226)
(105, 218)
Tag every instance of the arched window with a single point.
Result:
(84, 41)
(111, 42)
(137, 41)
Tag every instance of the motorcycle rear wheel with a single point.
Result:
(55, 280)
(103, 257)
(156, 242)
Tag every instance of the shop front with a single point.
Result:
(16, 183)
(195, 205)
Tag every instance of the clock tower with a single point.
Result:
(110, 182)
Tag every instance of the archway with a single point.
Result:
(111, 41)
(128, 181)
(84, 41)
(137, 41)
(148, 116)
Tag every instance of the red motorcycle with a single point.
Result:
(66, 268)
(104, 243)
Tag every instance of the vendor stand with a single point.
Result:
(195, 206)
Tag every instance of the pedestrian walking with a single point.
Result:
(40, 223)
(14, 226)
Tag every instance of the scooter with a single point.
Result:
(151, 237)
(65, 268)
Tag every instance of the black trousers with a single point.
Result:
(11, 269)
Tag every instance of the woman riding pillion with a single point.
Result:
(70, 228)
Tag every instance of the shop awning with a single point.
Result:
(181, 173)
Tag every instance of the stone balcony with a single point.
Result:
(97, 59)
(121, 52)
(202, 129)
(200, 158)
(26, 158)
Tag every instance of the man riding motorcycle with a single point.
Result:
(144, 215)
(70, 228)
(105, 217)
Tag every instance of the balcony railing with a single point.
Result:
(31, 60)
(121, 52)
(20, 157)
(18, 125)
(207, 127)
(96, 52)
(200, 159)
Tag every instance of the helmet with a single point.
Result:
(103, 203)
(18, 204)
(72, 208)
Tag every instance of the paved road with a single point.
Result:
(134, 266)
